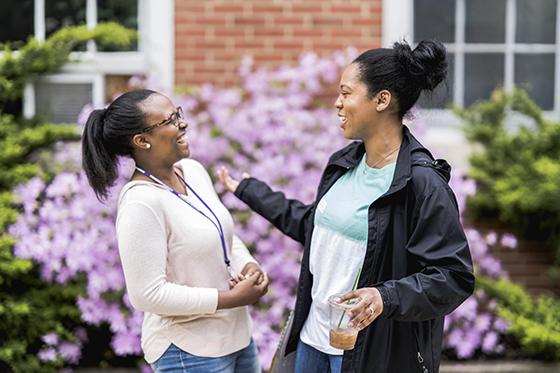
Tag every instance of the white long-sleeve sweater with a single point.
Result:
(174, 266)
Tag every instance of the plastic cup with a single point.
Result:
(341, 335)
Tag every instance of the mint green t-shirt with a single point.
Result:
(344, 208)
(338, 244)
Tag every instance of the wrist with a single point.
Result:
(227, 299)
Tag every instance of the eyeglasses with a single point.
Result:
(175, 119)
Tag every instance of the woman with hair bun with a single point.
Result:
(183, 265)
(383, 210)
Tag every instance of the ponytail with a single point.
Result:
(108, 134)
(98, 161)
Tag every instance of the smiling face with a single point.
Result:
(167, 142)
(356, 110)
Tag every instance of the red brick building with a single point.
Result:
(212, 36)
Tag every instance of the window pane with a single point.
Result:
(60, 13)
(536, 21)
(62, 102)
(483, 73)
(535, 74)
(124, 12)
(485, 21)
(442, 96)
(425, 14)
(17, 20)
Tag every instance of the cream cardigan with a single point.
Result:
(174, 266)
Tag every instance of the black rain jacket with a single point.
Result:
(417, 256)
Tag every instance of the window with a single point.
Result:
(94, 78)
(41, 18)
(491, 43)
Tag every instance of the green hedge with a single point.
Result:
(535, 323)
(518, 170)
(30, 307)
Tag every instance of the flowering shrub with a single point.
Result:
(278, 128)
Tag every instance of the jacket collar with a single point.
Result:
(411, 153)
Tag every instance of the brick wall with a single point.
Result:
(528, 264)
(212, 36)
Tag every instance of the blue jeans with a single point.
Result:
(310, 360)
(175, 360)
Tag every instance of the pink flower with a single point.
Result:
(48, 354)
(508, 240)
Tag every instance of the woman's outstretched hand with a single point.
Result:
(230, 184)
(368, 309)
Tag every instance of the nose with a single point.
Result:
(183, 124)
(338, 103)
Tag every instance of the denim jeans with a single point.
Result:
(175, 360)
(310, 360)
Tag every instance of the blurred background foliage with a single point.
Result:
(517, 170)
(30, 307)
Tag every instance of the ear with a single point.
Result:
(382, 100)
(140, 141)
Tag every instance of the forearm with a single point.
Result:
(288, 215)
(433, 293)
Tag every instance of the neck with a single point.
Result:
(165, 173)
(382, 145)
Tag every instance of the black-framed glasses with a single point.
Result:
(175, 119)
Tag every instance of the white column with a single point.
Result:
(91, 21)
(29, 100)
(460, 19)
(557, 65)
(397, 21)
(39, 20)
(509, 71)
(157, 39)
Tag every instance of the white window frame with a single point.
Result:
(154, 58)
(97, 81)
(398, 19)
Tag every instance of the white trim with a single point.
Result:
(97, 81)
(157, 39)
(502, 48)
(557, 67)
(91, 21)
(397, 21)
(122, 63)
(509, 60)
(459, 68)
(39, 20)
(29, 100)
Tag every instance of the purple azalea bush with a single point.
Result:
(277, 127)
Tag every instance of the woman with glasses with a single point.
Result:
(183, 265)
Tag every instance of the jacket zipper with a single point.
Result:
(419, 357)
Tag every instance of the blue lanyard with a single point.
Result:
(217, 226)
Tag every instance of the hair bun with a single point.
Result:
(426, 64)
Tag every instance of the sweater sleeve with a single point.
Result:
(142, 244)
(240, 255)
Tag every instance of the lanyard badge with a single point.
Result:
(218, 226)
